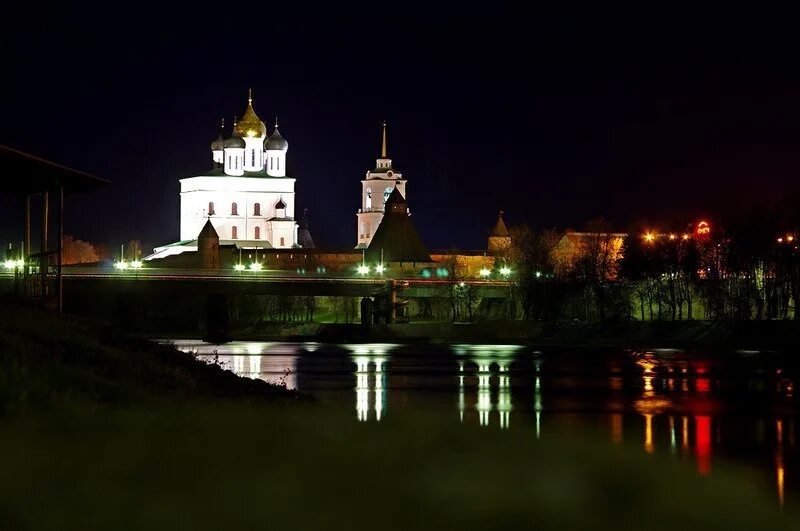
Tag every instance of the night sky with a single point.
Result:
(554, 119)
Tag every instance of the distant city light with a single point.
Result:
(121, 265)
(136, 264)
(505, 271)
(380, 268)
(485, 272)
(255, 266)
(685, 236)
(363, 269)
(672, 236)
(780, 240)
(461, 284)
(649, 237)
(538, 274)
(789, 238)
(239, 267)
(703, 229)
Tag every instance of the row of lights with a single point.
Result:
(505, 271)
(788, 238)
(122, 265)
(254, 266)
(650, 237)
(364, 269)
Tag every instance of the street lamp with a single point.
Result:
(505, 271)
(255, 266)
(485, 272)
(363, 269)
(239, 267)
(122, 265)
(380, 269)
(10, 264)
(136, 264)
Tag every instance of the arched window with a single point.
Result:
(257, 209)
(258, 233)
(253, 158)
(387, 193)
(282, 243)
(234, 232)
(271, 160)
(234, 209)
(211, 208)
(368, 202)
(279, 164)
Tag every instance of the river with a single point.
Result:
(730, 408)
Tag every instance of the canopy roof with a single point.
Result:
(28, 174)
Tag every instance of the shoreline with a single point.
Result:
(685, 335)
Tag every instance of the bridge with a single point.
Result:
(149, 298)
(172, 282)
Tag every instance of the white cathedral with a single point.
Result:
(376, 187)
(247, 196)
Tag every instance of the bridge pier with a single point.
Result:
(366, 312)
(217, 328)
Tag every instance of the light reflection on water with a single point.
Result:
(690, 406)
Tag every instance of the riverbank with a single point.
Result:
(722, 335)
(46, 361)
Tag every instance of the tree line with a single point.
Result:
(747, 269)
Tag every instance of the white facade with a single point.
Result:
(243, 194)
(240, 208)
(375, 190)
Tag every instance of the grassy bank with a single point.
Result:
(304, 468)
(48, 362)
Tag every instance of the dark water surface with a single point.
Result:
(722, 409)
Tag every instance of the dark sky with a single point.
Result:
(554, 119)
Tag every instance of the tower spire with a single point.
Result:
(250, 95)
(276, 122)
(383, 144)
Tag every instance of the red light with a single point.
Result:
(703, 443)
(703, 228)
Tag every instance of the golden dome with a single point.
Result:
(249, 126)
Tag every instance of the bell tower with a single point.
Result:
(376, 187)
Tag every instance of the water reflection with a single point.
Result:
(370, 360)
(491, 364)
(484, 405)
(701, 408)
(275, 363)
(779, 467)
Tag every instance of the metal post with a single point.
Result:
(27, 246)
(43, 245)
(60, 248)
